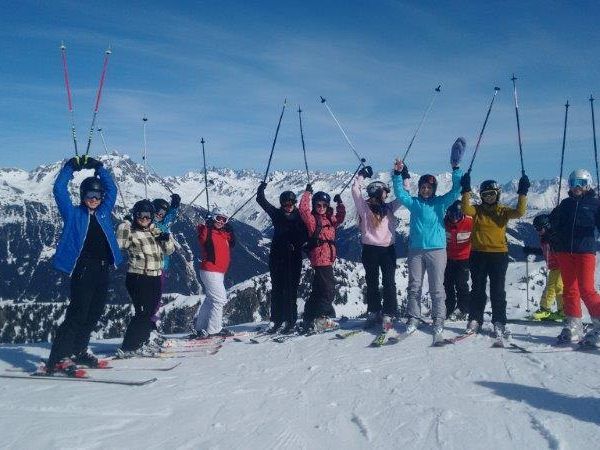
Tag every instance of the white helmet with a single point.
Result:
(580, 178)
(219, 212)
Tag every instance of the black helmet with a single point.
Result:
(454, 211)
(490, 185)
(541, 222)
(143, 206)
(88, 185)
(375, 189)
(429, 179)
(320, 197)
(160, 204)
(287, 196)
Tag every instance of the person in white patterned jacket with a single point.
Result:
(146, 246)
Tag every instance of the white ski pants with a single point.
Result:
(210, 312)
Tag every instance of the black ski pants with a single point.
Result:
(89, 286)
(456, 285)
(374, 260)
(145, 292)
(285, 272)
(486, 265)
(320, 301)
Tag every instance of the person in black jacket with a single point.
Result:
(574, 223)
(285, 258)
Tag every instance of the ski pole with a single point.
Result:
(63, 51)
(241, 207)
(527, 280)
(595, 147)
(116, 180)
(144, 157)
(324, 101)
(107, 54)
(487, 116)
(514, 79)
(562, 152)
(433, 97)
(274, 141)
(303, 147)
(202, 141)
(352, 177)
(189, 205)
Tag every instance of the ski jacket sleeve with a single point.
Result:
(519, 211)
(453, 194)
(359, 201)
(265, 204)
(340, 215)
(402, 195)
(304, 208)
(123, 234)
(202, 233)
(466, 206)
(110, 190)
(170, 217)
(61, 192)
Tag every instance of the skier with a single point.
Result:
(458, 248)
(146, 246)
(216, 241)
(554, 286)
(321, 224)
(427, 241)
(377, 225)
(285, 258)
(574, 222)
(489, 257)
(86, 249)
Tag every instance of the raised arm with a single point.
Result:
(400, 174)
(453, 194)
(304, 208)
(263, 202)
(359, 201)
(61, 188)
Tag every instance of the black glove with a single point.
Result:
(309, 188)
(465, 183)
(404, 172)
(366, 172)
(129, 218)
(337, 198)
(73, 163)
(210, 222)
(262, 186)
(91, 163)
(162, 237)
(175, 201)
(524, 185)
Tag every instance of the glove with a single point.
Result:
(210, 222)
(404, 172)
(524, 185)
(73, 163)
(465, 183)
(128, 218)
(309, 188)
(162, 237)
(91, 163)
(262, 186)
(366, 172)
(457, 152)
(337, 198)
(175, 201)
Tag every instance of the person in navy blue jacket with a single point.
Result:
(86, 249)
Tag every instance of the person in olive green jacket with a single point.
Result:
(489, 255)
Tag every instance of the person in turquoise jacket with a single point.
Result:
(427, 240)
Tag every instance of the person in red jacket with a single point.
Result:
(216, 241)
(458, 248)
(321, 224)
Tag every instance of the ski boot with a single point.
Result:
(324, 324)
(87, 358)
(542, 314)
(289, 328)
(557, 316)
(592, 337)
(472, 327)
(64, 367)
(438, 332)
(387, 323)
(572, 332)
(373, 319)
(277, 326)
(412, 325)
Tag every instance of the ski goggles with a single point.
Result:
(489, 194)
(144, 215)
(221, 219)
(96, 195)
(160, 213)
(578, 182)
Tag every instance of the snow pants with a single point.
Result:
(210, 313)
(494, 266)
(577, 271)
(374, 260)
(320, 301)
(456, 285)
(285, 277)
(155, 314)
(89, 286)
(432, 262)
(145, 292)
(553, 291)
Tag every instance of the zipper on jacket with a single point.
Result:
(86, 232)
(573, 227)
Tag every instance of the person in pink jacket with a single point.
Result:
(377, 225)
(321, 224)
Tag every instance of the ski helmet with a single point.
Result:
(160, 204)
(287, 196)
(541, 222)
(90, 184)
(490, 185)
(429, 179)
(454, 211)
(320, 197)
(580, 178)
(375, 189)
(143, 206)
(219, 212)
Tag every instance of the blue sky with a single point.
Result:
(221, 69)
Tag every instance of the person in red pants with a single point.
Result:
(574, 222)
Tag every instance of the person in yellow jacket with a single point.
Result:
(489, 255)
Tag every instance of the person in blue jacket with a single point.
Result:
(86, 249)
(427, 241)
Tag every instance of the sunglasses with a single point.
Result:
(143, 216)
(221, 219)
(578, 182)
(321, 205)
(488, 194)
(93, 195)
